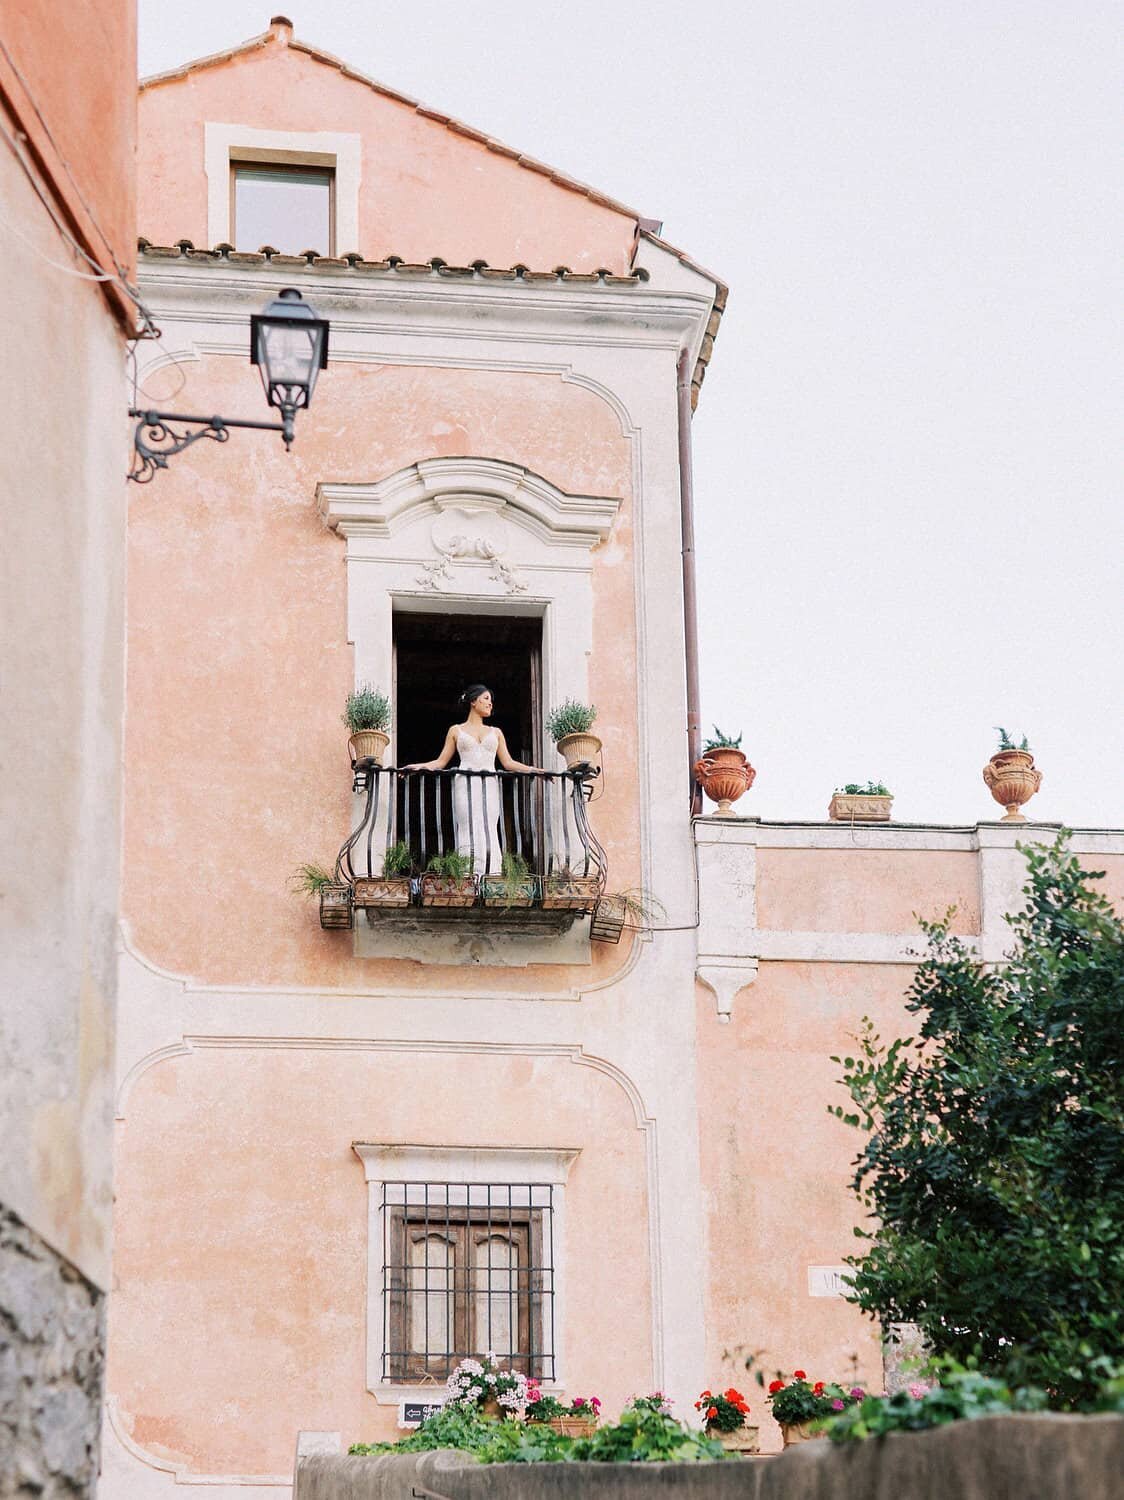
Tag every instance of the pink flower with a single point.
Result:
(857, 1393)
(837, 1405)
(917, 1390)
(595, 1403)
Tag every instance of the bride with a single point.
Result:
(476, 815)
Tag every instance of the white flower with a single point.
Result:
(491, 1379)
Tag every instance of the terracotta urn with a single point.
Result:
(368, 744)
(724, 775)
(1011, 778)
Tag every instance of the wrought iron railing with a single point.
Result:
(458, 838)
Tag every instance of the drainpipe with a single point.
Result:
(690, 604)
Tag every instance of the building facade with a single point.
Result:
(358, 1140)
(67, 231)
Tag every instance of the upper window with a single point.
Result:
(291, 208)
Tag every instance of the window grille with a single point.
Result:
(468, 1269)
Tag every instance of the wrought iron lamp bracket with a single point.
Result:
(155, 442)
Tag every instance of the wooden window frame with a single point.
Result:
(465, 1227)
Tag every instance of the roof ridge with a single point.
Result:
(280, 30)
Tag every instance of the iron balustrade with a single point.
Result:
(540, 817)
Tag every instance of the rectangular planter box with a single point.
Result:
(570, 892)
(496, 891)
(382, 890)
(439, 890)
(860, 807)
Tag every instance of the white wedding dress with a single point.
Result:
(478, 828)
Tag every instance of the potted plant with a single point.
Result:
(392, 887)
(725, 1416)
(367, 716)
(486, 1386)
(568, 726)
(1010, 776)
(635, 909)
(861, 803)
(723, 772)
(448, 881)
(565, 891)
(334, 895)
(513, 886)
(578, 1419)
(801, 1406)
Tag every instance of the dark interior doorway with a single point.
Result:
(437, 656)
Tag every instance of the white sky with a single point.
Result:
(907, 449)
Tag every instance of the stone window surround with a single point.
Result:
(339, 150)
(516, 1166)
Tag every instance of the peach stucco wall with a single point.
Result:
(238, 662)
(865, 890)
(240, 1268)
(425, 191)
(774, 1168)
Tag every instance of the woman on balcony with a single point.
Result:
(476, 800)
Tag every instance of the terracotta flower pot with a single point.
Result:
(441, 890)
(1012, 780)
(382, 890)
(860, 807)
(368, 744)
(573, 1427)
(570, 892)
(798, 1432)
(742, 1440)
(724, 775)
(579, 749)
(490, 1407)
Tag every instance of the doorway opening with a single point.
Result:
(436, 656)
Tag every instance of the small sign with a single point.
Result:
(414, 1413)
(829, 1281)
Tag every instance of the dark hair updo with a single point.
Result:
(470, 695)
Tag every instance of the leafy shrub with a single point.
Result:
(367, 708)
(397, 860)
(450, 865)
(310, 880)
(800, 1400)
(570, 717)
(864, 789)
(961, 1395)
(992, 1165)
(725, 1411)
(1007, 742)
(720, 741)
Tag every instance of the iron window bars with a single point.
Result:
(468, 1270)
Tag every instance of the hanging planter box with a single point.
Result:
(382, 890)
(497, 890)
(608, 920)
(570, 892)
(335, 907)
(442, 890)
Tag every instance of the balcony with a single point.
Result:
(476, 855)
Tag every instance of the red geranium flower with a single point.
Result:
(799, 1375)
(775, 1386)
(712, 1412)
(817, 1389)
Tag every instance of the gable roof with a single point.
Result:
(281, 32)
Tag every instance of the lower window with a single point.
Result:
(468, 1270)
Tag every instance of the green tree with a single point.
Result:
(994, 1162)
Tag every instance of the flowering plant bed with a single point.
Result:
(485, 1385)
(577, 1419)
(798, 1402)
(723, 1413)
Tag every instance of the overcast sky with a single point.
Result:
(907, 451)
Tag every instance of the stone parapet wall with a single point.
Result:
(1051, 1456)
(52, 1335)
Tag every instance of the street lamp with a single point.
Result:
(289, 345)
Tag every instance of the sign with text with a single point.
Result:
(414, 1413)
(828, 1281)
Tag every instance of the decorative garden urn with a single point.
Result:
(724, 775)
(1012, 780)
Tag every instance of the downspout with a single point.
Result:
(690, 598)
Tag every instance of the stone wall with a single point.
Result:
(52, 1325)
(1044, 1455)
